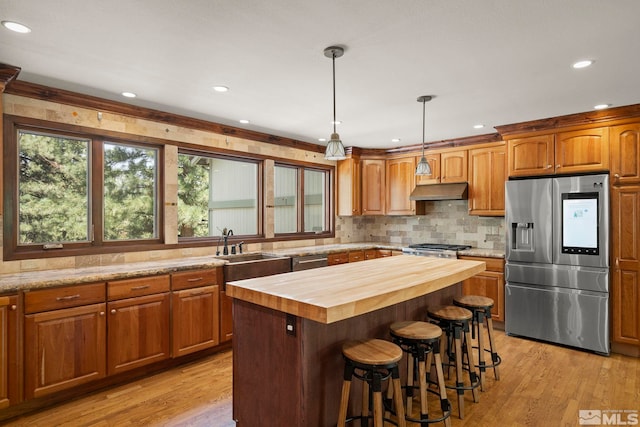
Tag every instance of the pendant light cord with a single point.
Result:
(334, 91)
(424, 103)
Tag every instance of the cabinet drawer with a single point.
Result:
(339, 258)
(69, 296)
(493, 264)
(355, 256)
(195, 279)
(130, 288)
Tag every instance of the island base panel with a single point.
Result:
(296, 379)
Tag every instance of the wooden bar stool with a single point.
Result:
(454, 321)
(372, 361)
(481, 307)
(421, 342)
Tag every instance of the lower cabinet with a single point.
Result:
(195, 319)
(338, 258)
(138, 332)
(8, 346)
(489, 283)
(64, 348)
(226, 317)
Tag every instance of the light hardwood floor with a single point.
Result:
(540, 385)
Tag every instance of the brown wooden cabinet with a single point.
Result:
(373, 186)
(625, 154)
(487, 174)
(338, 258)
(8, 351)
(138, 332)
(625, 285)
(489, 283)
(400, 182)
(195, 302)
(63, 348)
(226, 317)
(585, 150)
(355, 256)
(446, 167)
(349, 193)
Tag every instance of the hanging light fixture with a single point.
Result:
(423, 167)
(335, 149)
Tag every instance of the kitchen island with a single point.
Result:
(289, 329)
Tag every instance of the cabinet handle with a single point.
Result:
(195, 279)
(68, 297)
(137, 288)
(195, 294)
(548, 166)
(113, 311)
(617, 262)
(557, 166)
(102, 313)
(14, 307)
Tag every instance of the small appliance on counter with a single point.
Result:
(557, 260)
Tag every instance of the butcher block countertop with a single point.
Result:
(331, 294)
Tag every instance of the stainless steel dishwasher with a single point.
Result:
(308, 262)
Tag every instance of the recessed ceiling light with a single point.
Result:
(582, 64)
(220, 88)
(395, 140)
(478, 126)
(16, 26)
(243, 121)
(128, 94)
(322, 139)
(601, 106)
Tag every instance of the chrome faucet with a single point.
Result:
(225, 236)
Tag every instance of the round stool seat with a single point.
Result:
(415, 330)
(450, 313)
(372, 352)
(473, 301)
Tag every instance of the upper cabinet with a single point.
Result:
(625, 154)
(560, 153)
(400, 182)
(373, 186)
(487, 174)
(349, 187)
(446, 166)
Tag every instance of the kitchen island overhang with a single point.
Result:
(289, 329)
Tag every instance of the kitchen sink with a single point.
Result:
(251, 265)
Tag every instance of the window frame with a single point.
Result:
(328, 200)
(259, 200)
(96, 243)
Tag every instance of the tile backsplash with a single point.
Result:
(445, 221)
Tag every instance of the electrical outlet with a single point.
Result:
(291, 325)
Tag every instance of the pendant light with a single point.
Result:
(335, 149)
(423, 167)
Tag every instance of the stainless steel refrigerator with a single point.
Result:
(557, 260)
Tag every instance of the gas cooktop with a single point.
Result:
(439, 246)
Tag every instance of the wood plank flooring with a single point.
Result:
(540, 385)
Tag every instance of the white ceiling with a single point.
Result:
(494, 62)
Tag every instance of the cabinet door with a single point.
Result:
(138, 332)
(582, 151)
(63, 349)
(625, 154)
(5, 307)
(532, 155)
(488, 284)
(400, 181)
(434, 177)
(453, 166)
(226, 317)
(338, 258)
(195, 320)
(625, 285)
(373, 187)
(487, 174)
(349, 184)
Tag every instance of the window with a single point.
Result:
(301, 200)
(76, 191)
(215, 193)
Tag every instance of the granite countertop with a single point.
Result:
(51, 278)
(72, 276)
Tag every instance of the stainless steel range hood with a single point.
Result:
(455, 191)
